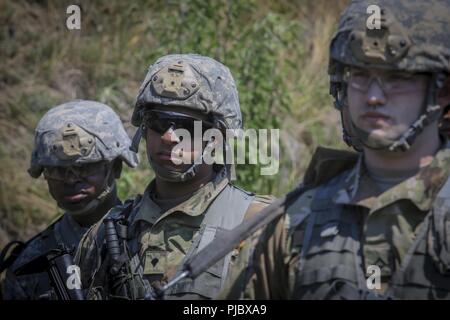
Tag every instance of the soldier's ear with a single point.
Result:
(444, 94)
(117, 168)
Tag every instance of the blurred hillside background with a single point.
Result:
(276, 50)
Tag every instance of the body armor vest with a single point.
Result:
(331, 264)
(225, 212)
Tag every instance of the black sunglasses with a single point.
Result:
(160, 122)
(80, 172)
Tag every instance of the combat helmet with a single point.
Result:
(80, 132)
(412, 37)
(193, 83)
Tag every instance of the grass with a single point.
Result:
(277, 52)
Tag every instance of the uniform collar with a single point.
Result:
(420, 189)
(196, 205)
(68, 231)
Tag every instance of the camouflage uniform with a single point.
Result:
(160, 240)
(342, 222)
(160, 236)
(73, 133)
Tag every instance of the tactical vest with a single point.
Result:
(331, 264)
(225, 212)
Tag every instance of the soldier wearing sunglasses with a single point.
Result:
(79, 148)
(187, 204)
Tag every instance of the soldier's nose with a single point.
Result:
(170, 137)
(375, 95)
(71, 178)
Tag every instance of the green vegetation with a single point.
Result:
(276, 51)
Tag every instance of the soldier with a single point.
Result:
(186, 205)
(372, 224)
(79, 147)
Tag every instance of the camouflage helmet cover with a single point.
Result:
(197, 83)
(413, 36)
(79, 132)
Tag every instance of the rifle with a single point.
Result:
(63, 273)
(119, 258)
(122, 277)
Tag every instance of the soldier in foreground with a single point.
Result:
(79, 148)
(383, 212)
(137, 247)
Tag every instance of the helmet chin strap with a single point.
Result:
(404, 142)
(97, 201)
(137, 138)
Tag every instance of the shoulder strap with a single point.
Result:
(8, 255)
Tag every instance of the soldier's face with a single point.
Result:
(74, 187)
(164, 144)
(385, 103)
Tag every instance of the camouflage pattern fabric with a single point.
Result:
(73, 133)
(79, 132)
(159, 238)
(389, 223)
(412, 37)
(190, 82)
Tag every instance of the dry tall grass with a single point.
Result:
(43, 64)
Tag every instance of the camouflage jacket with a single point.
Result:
(159, 240)
(328, 237)
(29, 287)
